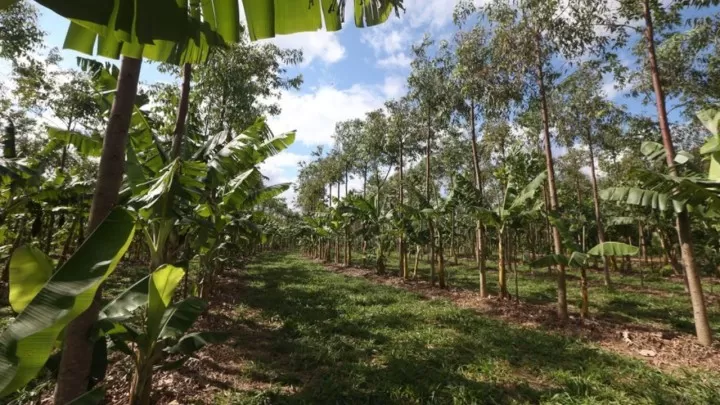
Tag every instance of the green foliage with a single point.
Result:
(162, 329)
(28, 341)
(613, 249)
(30, 269)
(394, 346)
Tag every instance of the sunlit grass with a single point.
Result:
(343, 340)
(647, 299)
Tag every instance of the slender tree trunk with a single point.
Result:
(365, 170)
(552, 189)
(403, 248)
(76, 359)
(431, 228)
(702, 326)
(584, 292)
(181, 118)
(417, 260)
(502, 276)
(348, 247)
(596, 207)
(337, 238)
(441, 262)
(68, 241)
(49, 236)
(479, 230)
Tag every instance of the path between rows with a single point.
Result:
(304, 335)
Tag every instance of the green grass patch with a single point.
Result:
(342, 340)
(649, 299)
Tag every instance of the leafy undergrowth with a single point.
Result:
(303, 334)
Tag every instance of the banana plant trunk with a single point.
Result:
(682, 222)
(502, 275)
(584, 292)
(562, 310)
(74, 369)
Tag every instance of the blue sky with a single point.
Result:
(346, 74)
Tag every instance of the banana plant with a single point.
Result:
(372, 215)
(515, 203)
(660, 191)
(434, 216)
(579, 260)
(159, 332)
(47, 299)
(184, 32)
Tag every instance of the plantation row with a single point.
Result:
(101, 172)
(506, 145)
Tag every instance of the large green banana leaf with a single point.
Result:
(85, 145)
(613, 249)
(711, 119)
(184, 31)
(30, 269)
(28, 341)
(163, 282)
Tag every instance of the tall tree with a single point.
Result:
(432, 92)
(652, 15)
(530, 36)
(583, 114)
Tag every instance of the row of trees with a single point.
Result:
(476, 141)
(177, 180)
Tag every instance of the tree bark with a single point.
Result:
(181, 119)
(427, 195)
(348, 246)
(502, 276)
(596, 207)
(479, 234)
(552, 189)
(682, 222)
(74, 368)
(403, 248)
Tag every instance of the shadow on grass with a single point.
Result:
(343, 340)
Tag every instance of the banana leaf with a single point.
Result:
(27, 343)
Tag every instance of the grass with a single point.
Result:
(341, 340)
(652, 300)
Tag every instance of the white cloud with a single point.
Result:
(399, 60)
(394, 86)
(610, 90)
(387, 40)
(314, 114)
(321, 45)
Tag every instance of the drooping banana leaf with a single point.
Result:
(267, 19)
(163, 282)
(549, 261)
(30, 269)
(193, 342)
(93, 397)
(179, 317)
(711, 119)
(613, 249)
(27, 343)
(123, 306)
(85, 145)
(184, 31)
